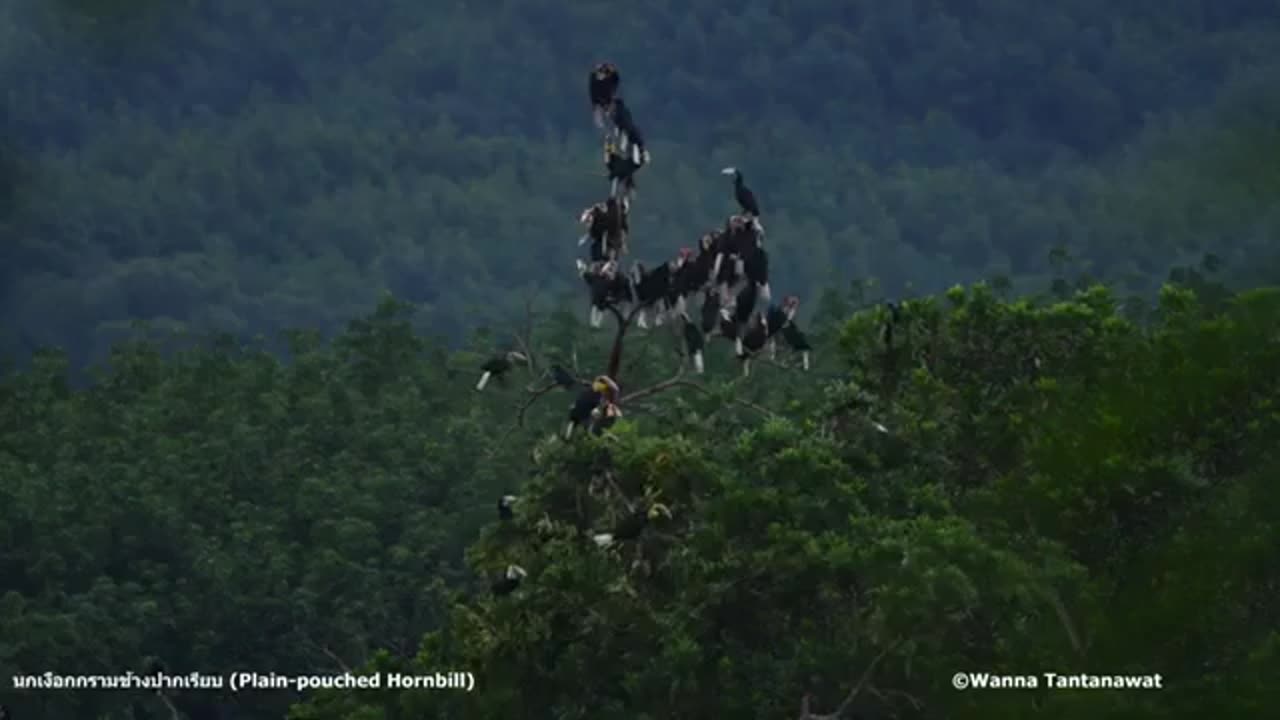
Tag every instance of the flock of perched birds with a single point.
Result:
(729, 271)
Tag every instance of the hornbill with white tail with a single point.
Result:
(744, 303)
(630, 140)
(622, 171)
(608, 389)
(751, 340)
(497, 366)
(630, 527)
(608, 287)
(581, 409)
(602, 88)
(607, 229)
(654, 287)
(710, 309)
(693, 342)
(779, 318)
(696, 273)
(508, 581)
(746, 199)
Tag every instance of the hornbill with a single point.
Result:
(693, 342)
(710, 309)
(630, 140)
(498, 366)
(630, 527)
(600, 286)
(743, 305)
(695, 274)
(595, 219)
(654, 287)
(504, 507)
(622, 171)
(580, 410)
(617, 227)
(779, 318)
(755, 266)
(604, 416)
(886, 332)
(508, 581)
(681, 277)
(746, 199)
(607, 388)
(751, 341)
(798, 342)
(602, 87)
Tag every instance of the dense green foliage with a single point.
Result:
(1106, 509)
(247, 167)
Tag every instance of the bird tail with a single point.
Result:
(568, 430)
(804, 359)
(746, 367)
(597, 316)
(737, 346)
(583, 240)
(603, 540)
(773, 349)
(637, 155)
(642, 321)
(715, 269)
(697, 362)
(764, 292)
(484, 380)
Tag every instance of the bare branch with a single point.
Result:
(330, 654)
(853, 694)
(679, 381)
(915, 702)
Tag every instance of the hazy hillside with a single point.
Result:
(252, 166)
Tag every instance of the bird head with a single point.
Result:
(604, 384)
(508, 500)
(515, 572)
(585, 218)
(658, 510)
(790, 305)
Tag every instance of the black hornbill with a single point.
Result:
(693, 342)
(595, 219)
(505, 504)
(508, 581)
(630, 527)
(498, 366)
(779, 318)
(600, 284)
(617, 227)
(746, 199)
(751, 341)
(630, 140)
(710, 309)
(756, 268)
(653, 288)
(744, 303)
(798, 342)
(602, 87)
(621, 171)
(581, 409)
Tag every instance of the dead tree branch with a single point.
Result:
(806, 713)
(679, 381)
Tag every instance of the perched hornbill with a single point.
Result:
(755, 267)
(622, 171)
(779, 318)
(746, 199)
(886, 332)
(607, 285)
(602, 87)
(581, 409)
(710, 309)
(696, 273)
(608, 389)
(604, 416)
(630, 140)
(653, 288)
(504, 507)
(498, 366)
(744, 303)
(508, 581)
(595, 218)
(630, 527)
(798, 342)
(750, 341)
(693, 342)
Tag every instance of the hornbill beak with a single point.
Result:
(728, 171)
(659, 510)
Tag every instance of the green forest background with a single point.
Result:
(1079, 470)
